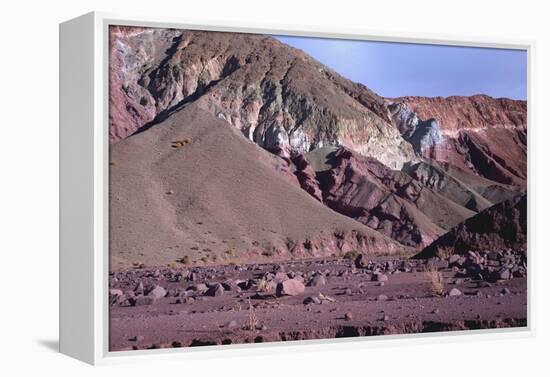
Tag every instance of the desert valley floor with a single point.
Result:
(268, 302)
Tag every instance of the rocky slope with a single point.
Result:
(460, 186)
(193, 189)
(279, 97)
(389, 201)
(501, 227)
(482, 134)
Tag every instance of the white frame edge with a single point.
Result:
(84, 183)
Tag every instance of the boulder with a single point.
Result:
(504, 274)
(157, 292)
(215, 290)
(141, 300)
(290, 287)
(361, 261)
(317, 280)
(454, 292)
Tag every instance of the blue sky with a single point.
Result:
(401, 69)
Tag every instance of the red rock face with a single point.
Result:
(475, 112)
(482, 134)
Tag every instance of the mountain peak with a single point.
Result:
(279, 97)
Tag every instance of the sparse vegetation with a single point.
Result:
(445, 252)
(262, 285)
(252, 321)
(185, 259)
(267, 253)
(180, 143)
(230, 252)
(435, 279)
(399, 254)
(351, 255)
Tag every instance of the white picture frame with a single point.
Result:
(84, 187)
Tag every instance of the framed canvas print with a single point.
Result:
(224, 186)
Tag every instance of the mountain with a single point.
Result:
(485, 135)
(278, 96)
(229, 146)
(192, 187)
(500, 227)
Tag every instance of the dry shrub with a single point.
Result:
(444, 252)
(252, 321)
(262, 285)
(351, 255)
(185, 260)
(435, 279)
(180, 143)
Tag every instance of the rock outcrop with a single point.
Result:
(482, 134)
(501, 227)
(389, 201)
(279, 97)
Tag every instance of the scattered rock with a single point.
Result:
(312, 300)
(157, 292)
(454, 292)
(379, 277)
(504, 274)
(454, 259)
(141, 300)
(139, 288)
(279, 277)
(137, 338)
(232, 324)
(115, 292)
(361, 261)
(290, 287)
(317, 280)
(199, 288)
(484, 284)
(215, 290)
(348, 316)
(382, 298)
